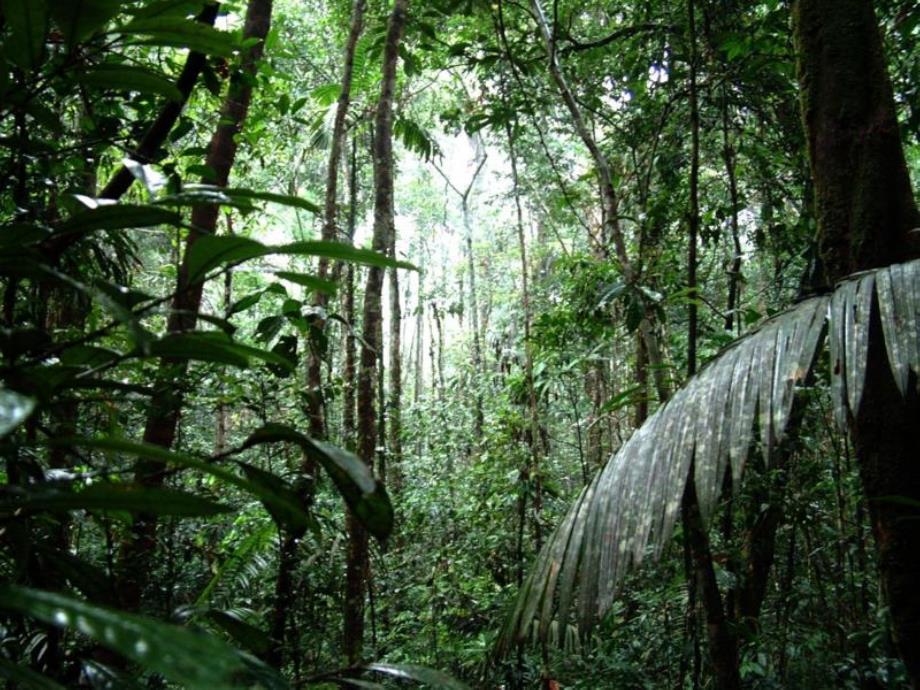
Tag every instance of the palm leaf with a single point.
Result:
(630, 508)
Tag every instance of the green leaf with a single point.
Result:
(129, 78)
(108, 496)
(215, 347)
(80, 19)
(366, 497)
(191, 659)
(273, 485)
(167, 457)
(245, 303)
(26, 677)
(251, 637)
(28, 22)
(343, 252)
(179, 32)
(283, 199)
(200, 346)
(15, 408)
(311, 282)
(210, 251)
(117, 217)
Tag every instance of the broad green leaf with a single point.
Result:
(192, 659)
(15, 408)
(107, 496)
(129, 78)
(91, 580)
(80, 19)
(21, 676)
(118, 217)
(251, 637)
(366, 497)
(308, 281)
(200, 346)
(167, 457)
(283, 199)
(245, 303)
(210, 251)
(179, 32)
(16, 235)
(28, 22)
(272, 485)
(343, 252)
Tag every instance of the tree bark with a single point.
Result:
(357, 558)
(137, 552)
(866, 212)
(315, 400)
(154, 137)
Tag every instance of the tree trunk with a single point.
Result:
(155, 136)
(315, 400)
(137, 552)
(533, 436)
(357, 559)
(394, 403)
(866, 212)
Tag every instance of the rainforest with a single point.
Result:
(492, 344)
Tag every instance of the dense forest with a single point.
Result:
(473, 344)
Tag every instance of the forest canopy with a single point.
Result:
(459, 344)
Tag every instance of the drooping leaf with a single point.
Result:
(283, 199)
(175, 459)
(15, 408)
(211, 251)
(117, 217)
(28, 22)
(129, 78)
(22, 676)
(294, 521)
(420, 674)
(191, 659)
(249, 636)
(308, 281)
(180, 32)
(342, 252)
(634, 501)
(353, 478)
(107, 496)
(80, 19)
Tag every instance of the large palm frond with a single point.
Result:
(628, 511)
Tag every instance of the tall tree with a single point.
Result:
(358, 562)
(166, 404)
(867, 217)
(315, 405)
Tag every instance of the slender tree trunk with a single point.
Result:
(734, 272)
(866, 214)
(533, 435)
(357, 558)
(349, 428)
(137, 552)
(394, 403)
(316, 403)
(474, 294)
(723, 644)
